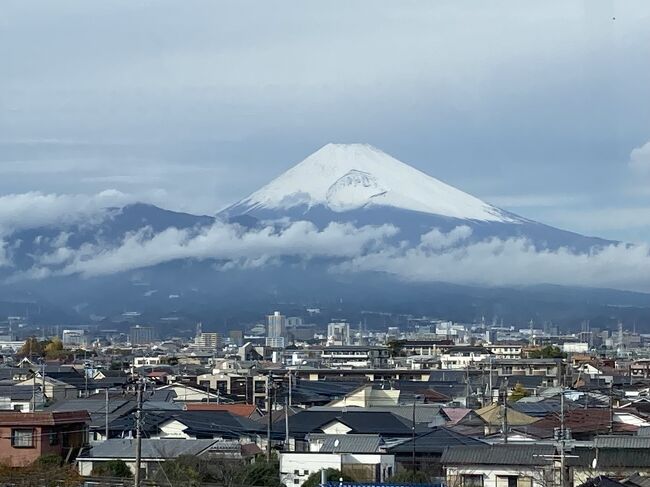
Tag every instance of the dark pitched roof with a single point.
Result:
(72, 378)
(611, 457)
(435, 441)
(360, 422)
(538, 409)
(117, 408)
(151, 448)
(200, 423)
(533, 455)
(17, 393)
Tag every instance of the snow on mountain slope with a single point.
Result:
(345, 177)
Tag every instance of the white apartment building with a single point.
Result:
(462, 357)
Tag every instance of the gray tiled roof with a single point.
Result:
(499, 455)
(435, 441)
(611, 457)
(622, 442)
(151, 448)
(424, 413)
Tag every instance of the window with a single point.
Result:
(513, 481)
(296, 472)
(472, 480)
(305, 472)
(296, 481)
(22, 438)
(53, 438)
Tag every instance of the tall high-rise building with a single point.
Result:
(276, 325)
(141, 335)
(276, 330)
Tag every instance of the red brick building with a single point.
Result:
(26, 436)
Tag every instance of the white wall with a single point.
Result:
(490, 474)
(305, 464)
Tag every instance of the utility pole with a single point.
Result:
(269, 402)
(106, 423)
(562, 437)
(138, 434)
(490, 379)
(286, 426)
(43, 383)
(413, 442)
(290, 392)
(467, 387)
(611, 408)
(505, 412)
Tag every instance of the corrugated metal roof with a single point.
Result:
(618, 441)
(349, 443)
(498, 455)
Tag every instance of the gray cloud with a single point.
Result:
(640, 158)
(34, 209)
(439, 256)
(498, 262)
(221, 242)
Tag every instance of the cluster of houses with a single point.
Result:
(495, 421)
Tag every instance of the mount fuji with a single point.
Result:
(287, 245)
(362, 185)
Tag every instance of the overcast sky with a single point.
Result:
(542, 108)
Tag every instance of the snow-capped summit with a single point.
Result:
(345, 177)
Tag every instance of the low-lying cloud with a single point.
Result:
(507, 262)
(35, 209)
(221, 241)
(455, 256)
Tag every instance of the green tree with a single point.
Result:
(113, 468)
(31, 348)
(332, 475)
(177, 472)
(53, 349)
(263, 473)
(408, 477)
(46, 471)
(396, 347)
(518, 392)
(549, 351)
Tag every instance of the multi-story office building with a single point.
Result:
(275, 342)
(141, 335)
(338, 333)
(354, 357)
(74, 338)
(209, 340)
